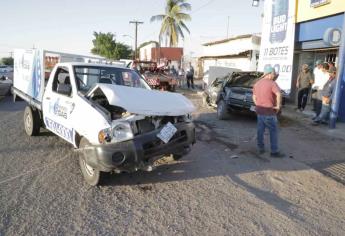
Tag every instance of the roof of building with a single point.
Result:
(230, 39)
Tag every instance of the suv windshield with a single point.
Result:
(88, 76)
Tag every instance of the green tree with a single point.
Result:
(106, 46)
(8, 61)
(173, 21)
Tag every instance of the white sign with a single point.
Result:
(28, 72)
(167, 132)
(277, 41)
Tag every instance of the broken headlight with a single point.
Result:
(122, 131)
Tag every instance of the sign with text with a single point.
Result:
(277, 40)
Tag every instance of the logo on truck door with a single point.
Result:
(59, 110)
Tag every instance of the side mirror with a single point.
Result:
(64, 89)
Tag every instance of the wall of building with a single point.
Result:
(242, 63)
(145, 52)
(305, 12)
(172, 54)
(232, 47)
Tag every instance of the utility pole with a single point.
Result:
(227, 28)
(136, 35)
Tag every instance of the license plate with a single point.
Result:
(252, 108)
(167, 132)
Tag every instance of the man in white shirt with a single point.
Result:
(319, 81)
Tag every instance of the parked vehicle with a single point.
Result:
(108, 113)
(6, 72)
(234, 93)
(156, 77)
(5, 86)
(215, 72)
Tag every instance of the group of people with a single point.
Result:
(321, 82)
(182, 75)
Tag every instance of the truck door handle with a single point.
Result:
(48, 98)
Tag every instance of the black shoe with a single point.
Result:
(277, 154)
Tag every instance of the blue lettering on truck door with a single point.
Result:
(62, 131)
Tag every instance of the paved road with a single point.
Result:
(221, 188)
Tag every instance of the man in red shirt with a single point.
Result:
(267, 98)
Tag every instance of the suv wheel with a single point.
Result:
(222, 110)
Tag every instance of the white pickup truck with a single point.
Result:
(107, 112)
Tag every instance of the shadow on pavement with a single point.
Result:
(7, 105)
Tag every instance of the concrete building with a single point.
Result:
(241, 52)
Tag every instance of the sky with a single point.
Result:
(68, 25)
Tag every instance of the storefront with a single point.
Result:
(317, 36)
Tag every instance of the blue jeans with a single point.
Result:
(271, 123)
(324, 114)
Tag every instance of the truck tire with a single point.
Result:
(32, 122)
(222, 110)
(91, 175)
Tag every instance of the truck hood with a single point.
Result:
(144, 101)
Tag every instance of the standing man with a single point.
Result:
(304, 82)
(267, 98)
(190, 75)
(327, 96)
(319, 81)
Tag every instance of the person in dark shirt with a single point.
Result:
(267, 98)
(327, 97)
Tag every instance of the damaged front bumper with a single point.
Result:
(141, 151)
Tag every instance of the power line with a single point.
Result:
(202, 6)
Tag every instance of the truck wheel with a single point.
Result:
(92, 176)
(31, 121)
(222, 110)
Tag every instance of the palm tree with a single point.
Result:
(173, 21)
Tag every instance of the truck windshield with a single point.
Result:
(88, 76)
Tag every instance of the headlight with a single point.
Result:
(104, 136)
(122, 131)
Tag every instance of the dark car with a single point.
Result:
(236, 93)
